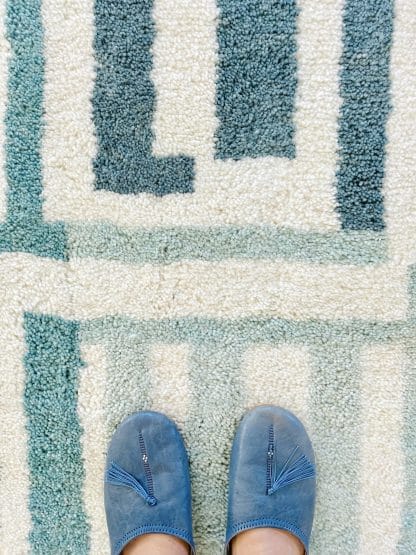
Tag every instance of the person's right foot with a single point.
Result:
(272, 479)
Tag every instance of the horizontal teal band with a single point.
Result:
(243, 330)
(164, 245)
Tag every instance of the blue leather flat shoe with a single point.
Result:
(147, 486)
(272, 475)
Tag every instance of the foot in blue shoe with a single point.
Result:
(272, 478)
(147, 486)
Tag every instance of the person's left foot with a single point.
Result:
(147, 486)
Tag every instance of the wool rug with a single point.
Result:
(207, 205)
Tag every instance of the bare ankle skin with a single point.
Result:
(266, 541)
(157, 544)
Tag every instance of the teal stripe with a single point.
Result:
(104, 240)
(209, 431)
(364, 87)
(256, 78)
(407, 542)
(55, 462)
(335, 431)
(128, 379)
(24, 229)
(124, 103)
(412, 292)
(268, 330)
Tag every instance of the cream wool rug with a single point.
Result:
(206, 205)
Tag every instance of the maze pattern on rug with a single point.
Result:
(207, 205)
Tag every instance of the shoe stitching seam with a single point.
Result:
(291, 527)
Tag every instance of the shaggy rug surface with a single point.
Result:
(207, 205)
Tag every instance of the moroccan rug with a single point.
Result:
(207, 205)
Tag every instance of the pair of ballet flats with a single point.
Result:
(271, 478)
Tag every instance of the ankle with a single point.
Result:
(266, 541)
(157, 544)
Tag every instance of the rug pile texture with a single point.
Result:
(207, 205)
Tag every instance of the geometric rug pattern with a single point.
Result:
(206, 206)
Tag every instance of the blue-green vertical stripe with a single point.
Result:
(364, 87)
(412, 293)
(256, 78)
(407, 542)
(24, 229)
(335, 408)
(52, 365)
(214, 413)
(124, 103)
(128, 384)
